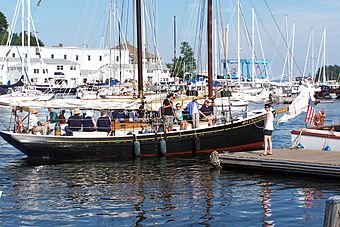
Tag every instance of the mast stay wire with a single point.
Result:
(282, 36)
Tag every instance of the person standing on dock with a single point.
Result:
(268, 130)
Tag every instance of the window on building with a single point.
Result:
(77, 57)
(117, 58)
(100, 58)
(65, 56)
(60, 67)
(72, 67)
(13, 55)
(89, 57)
(52, 56)
(36, 71)
(25, 55)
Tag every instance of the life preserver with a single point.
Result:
(19, 126)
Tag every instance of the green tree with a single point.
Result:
(16, 38)
(332, 73)
(3, 23)
(185, 63)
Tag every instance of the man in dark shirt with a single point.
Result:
(168, 112)
(75, 121)
(208, 112)
(104, 122)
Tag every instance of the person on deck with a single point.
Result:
(268, 130)
(193, 109)
(33, 122)
(104, 122)
(53, 116)
(75, 122)
(61, 117)
(89, 125)
(168, 112)
(208, 112)
(179, 117)
(321, 116)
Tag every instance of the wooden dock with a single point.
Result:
(318, 163)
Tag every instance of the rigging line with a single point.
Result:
(277, 51)
(290, 52)
(188, 25)
(246, 30)
(82, 20)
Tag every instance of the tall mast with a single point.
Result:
(139, 49)
(253, 47)
(174, 67)
(324, 56)
(209, 30)
(28, 37)
(23, 36)
(238, 42)
(110, 42)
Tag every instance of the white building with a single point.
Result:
(78, 65)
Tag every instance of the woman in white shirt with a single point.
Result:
(33, 121)
(268, 130)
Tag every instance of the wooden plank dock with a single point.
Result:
(318, 163)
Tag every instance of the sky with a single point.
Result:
(85, 23)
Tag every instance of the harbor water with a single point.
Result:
(176, 191)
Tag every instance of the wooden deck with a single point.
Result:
(319, 163)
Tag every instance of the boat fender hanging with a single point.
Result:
(197, 143)
(136, 146)
(300, 146)
(327, 148)
(162, 145)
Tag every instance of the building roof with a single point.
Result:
(133, 52)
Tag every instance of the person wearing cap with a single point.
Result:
(179, 117)
(104, 122)
(89, 125)
(193, 109)
(268, 130)
(207, 111)
(75, 122)
(168, 112)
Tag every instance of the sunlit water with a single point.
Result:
(173, 191)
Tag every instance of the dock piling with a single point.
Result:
(332, 212)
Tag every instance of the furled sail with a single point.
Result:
(300, 103)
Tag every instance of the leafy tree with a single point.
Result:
(332, 73)
(16, 39)
(185, 63)
(3, 23)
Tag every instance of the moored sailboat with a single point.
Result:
(233, 135)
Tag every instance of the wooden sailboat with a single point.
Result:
(236, 135)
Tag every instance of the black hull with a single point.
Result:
(53, 90)
(240, 136)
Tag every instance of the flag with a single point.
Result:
(310, 115)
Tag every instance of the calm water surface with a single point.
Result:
(177, 191)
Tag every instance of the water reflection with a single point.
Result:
(311, 194)
(142, 192)
(266, 203)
